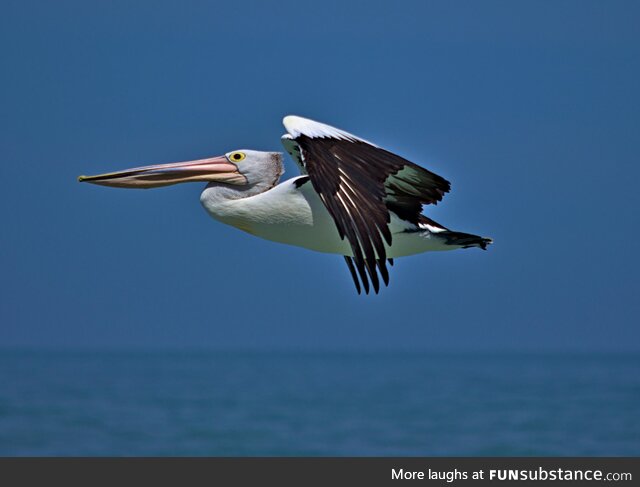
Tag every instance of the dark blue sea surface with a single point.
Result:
(275, 403)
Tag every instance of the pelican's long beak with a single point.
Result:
(213, 169)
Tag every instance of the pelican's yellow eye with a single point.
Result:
(237, 156)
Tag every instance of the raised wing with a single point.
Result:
(360, 184)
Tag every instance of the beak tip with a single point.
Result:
(81, 178)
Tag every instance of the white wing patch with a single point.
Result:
(297, 126)
(292, 147)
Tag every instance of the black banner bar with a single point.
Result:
(319, 471)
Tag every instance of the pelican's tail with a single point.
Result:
(454, 239)
(464, 240)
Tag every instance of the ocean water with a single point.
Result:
(274, 403)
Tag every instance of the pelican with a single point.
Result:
(352, 198)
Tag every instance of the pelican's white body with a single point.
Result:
(296, 216)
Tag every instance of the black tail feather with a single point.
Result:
(465, 240)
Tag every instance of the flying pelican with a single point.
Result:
(353, 198)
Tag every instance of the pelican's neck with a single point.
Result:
(231, 203)
(227, 203)
(227, 192)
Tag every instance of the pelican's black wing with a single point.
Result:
(360, 184)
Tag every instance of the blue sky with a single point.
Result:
(530, 109)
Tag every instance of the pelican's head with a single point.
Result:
(240, 168)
